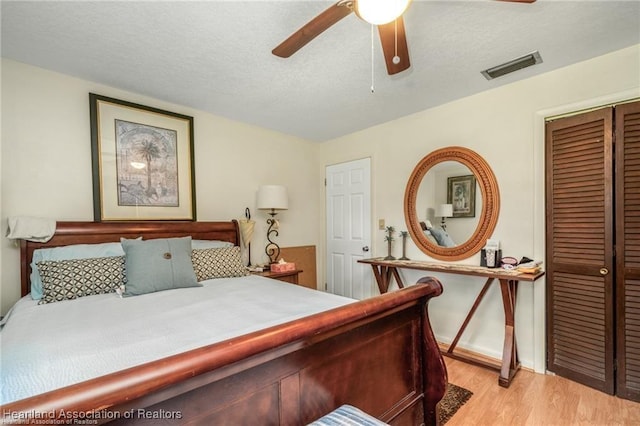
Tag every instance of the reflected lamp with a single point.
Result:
(443, 211)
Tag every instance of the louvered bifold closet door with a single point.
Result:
(580, 326)
(628, 247)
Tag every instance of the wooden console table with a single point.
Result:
(385, 270)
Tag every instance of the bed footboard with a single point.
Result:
(378, 354)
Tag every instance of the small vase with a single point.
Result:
(404, 247)
(389, 257)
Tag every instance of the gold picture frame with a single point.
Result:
(142, 160)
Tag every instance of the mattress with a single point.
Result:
(46, 347)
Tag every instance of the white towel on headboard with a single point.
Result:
(35, 229)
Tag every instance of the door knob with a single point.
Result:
(365, 248)
(604, 271)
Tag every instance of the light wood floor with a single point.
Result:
(535, 399)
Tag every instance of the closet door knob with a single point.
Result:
(604, 271)
(365, 248)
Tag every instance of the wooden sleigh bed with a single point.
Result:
(379, 355)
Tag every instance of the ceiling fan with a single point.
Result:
(390, 28)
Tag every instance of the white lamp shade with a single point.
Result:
(272, 197)
(379, 12)
(444, 210)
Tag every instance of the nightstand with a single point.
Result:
(287, 276)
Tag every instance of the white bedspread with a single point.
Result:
(45, 347)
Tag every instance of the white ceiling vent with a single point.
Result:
(513, 65)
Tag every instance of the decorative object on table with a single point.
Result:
(491, 254)
(274, 198)
(404, 235)
(461, 194)
(246, 226)
(532, 267)
(508, 262)
(142, 161)
(282, 266)
(524, 259)
(443, 211)
(389, 239)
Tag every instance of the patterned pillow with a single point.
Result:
(70, 279)
(218, 263)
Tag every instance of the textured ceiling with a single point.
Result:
(216, 55)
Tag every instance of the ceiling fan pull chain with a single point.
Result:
(396, 58)
(372, 61)
(395, 38)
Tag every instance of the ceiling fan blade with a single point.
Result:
(519, 1)
(312, 29)
(392, 49)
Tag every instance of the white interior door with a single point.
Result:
(348, 201)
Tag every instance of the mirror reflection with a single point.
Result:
(448, 203)
(451, 203)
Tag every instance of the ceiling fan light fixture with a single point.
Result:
(513, 65)
(380, 12)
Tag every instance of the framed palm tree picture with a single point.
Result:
(142, 161)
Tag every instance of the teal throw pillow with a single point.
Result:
(157, 265)
(441, 236)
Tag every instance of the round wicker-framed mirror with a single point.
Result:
(488, 216)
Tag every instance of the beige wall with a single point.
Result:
(46, 171)
(506, 127)
(46, 163)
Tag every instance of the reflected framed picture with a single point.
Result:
(142, 160)
(461, 193)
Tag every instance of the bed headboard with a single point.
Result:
(102, 232)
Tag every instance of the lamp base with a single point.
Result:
(272, 249)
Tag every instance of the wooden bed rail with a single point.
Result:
(169, 379)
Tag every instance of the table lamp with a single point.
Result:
(444, 211)
(273, 198)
